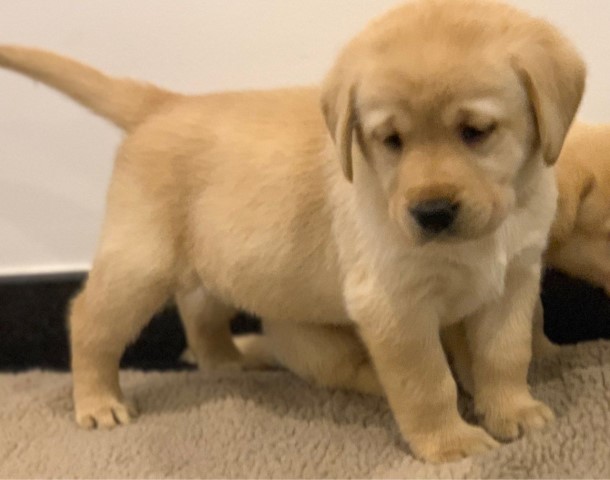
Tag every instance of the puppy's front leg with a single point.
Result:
(501, 343)
(405, 347)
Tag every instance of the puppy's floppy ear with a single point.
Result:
(574, 183)
(337, 102)
(554, 75)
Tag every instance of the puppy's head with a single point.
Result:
(580, 236)
(452, 105)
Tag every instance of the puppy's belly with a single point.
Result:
(279, 298)
(275, 280)
(289, 300)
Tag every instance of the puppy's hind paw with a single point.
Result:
(188, 357)
(104, 414)
(256, 352)
(206, 362)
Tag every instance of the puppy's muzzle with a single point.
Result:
(436, 215)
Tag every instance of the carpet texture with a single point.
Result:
(271, 424)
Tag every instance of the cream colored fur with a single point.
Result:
(244, 200)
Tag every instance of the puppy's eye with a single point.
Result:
(473, 136)
(393, 142)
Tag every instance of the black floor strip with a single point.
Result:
(573, 310)
(33, 330)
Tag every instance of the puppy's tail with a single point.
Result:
(124, 102)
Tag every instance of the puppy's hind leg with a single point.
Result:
(122, 293)
(132, 277)
(328, 355)
(206, 322)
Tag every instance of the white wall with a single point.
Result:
(55, 157)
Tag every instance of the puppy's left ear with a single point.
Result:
(554, 75)
(337, 102)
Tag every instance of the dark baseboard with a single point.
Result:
(574, 311)
(33, 330)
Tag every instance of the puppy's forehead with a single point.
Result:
(480, 88)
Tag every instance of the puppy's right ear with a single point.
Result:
(574, 184)
(339, 113)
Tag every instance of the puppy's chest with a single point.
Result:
(466, 287)
(476, 275)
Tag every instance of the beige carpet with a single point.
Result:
(270, 424)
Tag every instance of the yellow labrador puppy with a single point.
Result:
(580, 240)
(417, 197)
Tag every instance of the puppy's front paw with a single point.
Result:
(104, 413)
(509, 420)
(453, 444)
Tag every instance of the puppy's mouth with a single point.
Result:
(453, 236)
(447, 236)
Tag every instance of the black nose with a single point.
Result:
(436, 215)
